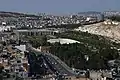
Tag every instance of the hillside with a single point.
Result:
(99, 49)
(108, 28)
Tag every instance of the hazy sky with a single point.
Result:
(59, 6)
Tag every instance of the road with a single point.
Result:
(59, 65)
(56, 65)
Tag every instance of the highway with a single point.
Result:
(60, 66)
(55, 64)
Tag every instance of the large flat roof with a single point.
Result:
(63, 41)
(33, 30)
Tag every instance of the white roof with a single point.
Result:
(21, 47)
(63, 41)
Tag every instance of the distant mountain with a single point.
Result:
(111, 13)
(16, 14)
(89, 13)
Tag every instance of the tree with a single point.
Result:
(98, 49)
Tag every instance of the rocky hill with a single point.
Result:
(107, 28)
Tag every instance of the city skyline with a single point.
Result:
(61, 6)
